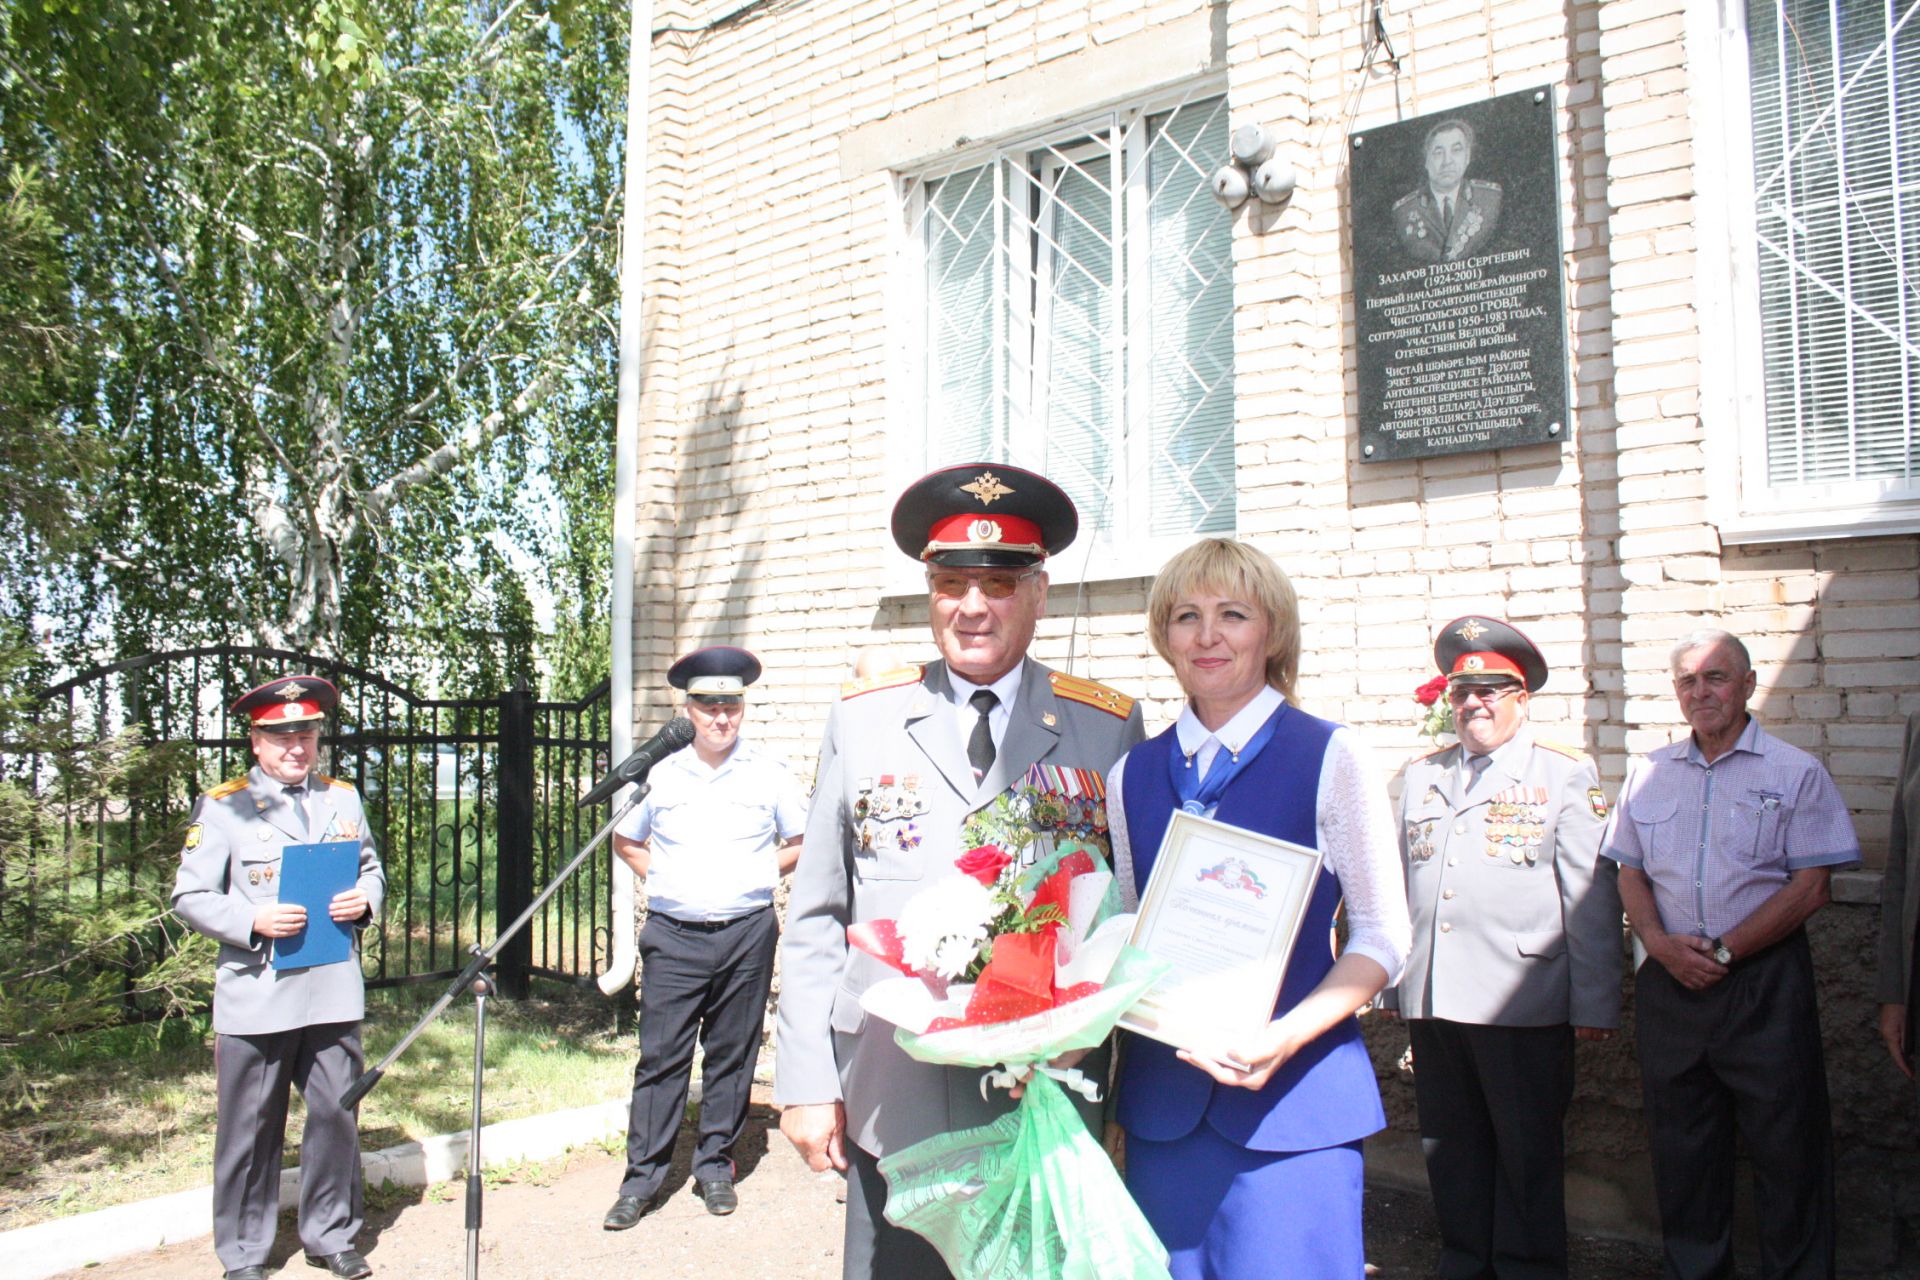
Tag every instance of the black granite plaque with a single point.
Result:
(1459, 294)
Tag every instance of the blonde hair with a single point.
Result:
(1221, 566)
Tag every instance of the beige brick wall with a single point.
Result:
(764, 452)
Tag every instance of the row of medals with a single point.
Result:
(1516, 830)
(889, 802)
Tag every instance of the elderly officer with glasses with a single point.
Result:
(719, 827)
(1517, 948)
(907, 757)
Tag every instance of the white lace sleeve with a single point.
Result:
(1357, 837)
(1117, 833)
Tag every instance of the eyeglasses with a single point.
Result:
(994, 586)
(1487, 693)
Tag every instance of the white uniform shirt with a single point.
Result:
(959, 692)
(713, 833)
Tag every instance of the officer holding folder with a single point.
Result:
(278, 1023)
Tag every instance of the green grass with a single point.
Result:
(126, 1113)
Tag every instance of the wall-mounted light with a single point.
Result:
(1254, 169)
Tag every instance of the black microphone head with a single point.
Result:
(678, 733)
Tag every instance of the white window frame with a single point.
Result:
(1745, 506)
(1088, 559)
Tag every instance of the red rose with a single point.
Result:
(983, 864)
(1429, 693)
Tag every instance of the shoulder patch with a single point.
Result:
(885, 680)
(1092, 693)
(334, 782)
(227, 788)
(1562, 749)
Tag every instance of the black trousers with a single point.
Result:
(1743, 1054)
(707, 985)
(1493, 1106)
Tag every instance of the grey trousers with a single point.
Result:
(252, 1075)
(875, 1249)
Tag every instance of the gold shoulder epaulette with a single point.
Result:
(1092, 693)
(885, 680)
(227, 788)
(334, 782)
(1428, 755)
(1561, 748)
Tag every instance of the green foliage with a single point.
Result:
(86, 936)
(343, 268)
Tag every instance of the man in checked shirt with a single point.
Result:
(1725, 843)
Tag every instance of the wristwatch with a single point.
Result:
(1722, 953)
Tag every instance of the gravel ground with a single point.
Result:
(543, 1223)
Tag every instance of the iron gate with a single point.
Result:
(472, 803)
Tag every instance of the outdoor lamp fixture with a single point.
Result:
(1253, 170)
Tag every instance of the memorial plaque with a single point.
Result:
(1459, 294)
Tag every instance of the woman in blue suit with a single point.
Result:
(1251, 1167)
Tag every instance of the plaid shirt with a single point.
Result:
(1719, 839)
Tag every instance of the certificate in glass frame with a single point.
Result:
(1223, 907)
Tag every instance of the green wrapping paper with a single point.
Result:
(1029, 1195)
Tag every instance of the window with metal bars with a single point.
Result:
(1835, 92)
(1072, 312)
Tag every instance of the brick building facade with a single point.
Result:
(829, 181)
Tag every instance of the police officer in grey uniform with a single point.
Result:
(1517, 944)
(906, 758)
(718, 829)
(279, 1027)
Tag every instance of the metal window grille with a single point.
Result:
(1074, 315)
(1837, 220)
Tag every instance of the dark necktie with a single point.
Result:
(980, 742)
(1476, 770)
(297, 796)
(1446, 213)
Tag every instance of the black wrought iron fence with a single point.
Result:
(472, 802)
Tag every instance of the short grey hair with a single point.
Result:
(1708, 638)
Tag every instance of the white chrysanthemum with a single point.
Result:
(943, 926)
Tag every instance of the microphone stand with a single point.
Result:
(474, 978)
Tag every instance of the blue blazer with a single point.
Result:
(1324, 1095)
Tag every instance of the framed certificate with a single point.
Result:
(1223, 907)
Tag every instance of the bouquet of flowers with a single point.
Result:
(1017, 957)
(1439, 716)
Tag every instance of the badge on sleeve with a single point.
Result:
(1598, 801)
(193, 839)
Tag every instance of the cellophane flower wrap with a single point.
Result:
(1015, 959)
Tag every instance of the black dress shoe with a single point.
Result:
(246, 1273)
(346, 1264)
(626, 1211)
(719, 1195)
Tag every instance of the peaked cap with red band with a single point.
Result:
(288, 704)
(1474, 649)
(982, 515)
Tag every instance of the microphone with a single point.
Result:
(677, 733)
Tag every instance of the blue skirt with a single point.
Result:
(1227, 1213)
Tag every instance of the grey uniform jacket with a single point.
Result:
(1513, 924)
(231, 865)
(826, 1048)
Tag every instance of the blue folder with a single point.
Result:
(311, 874)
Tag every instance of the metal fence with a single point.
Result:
(471, 802)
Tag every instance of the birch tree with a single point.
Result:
(346, 266)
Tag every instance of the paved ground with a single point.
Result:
(544, 1224)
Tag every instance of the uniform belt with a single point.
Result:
(712, 926)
